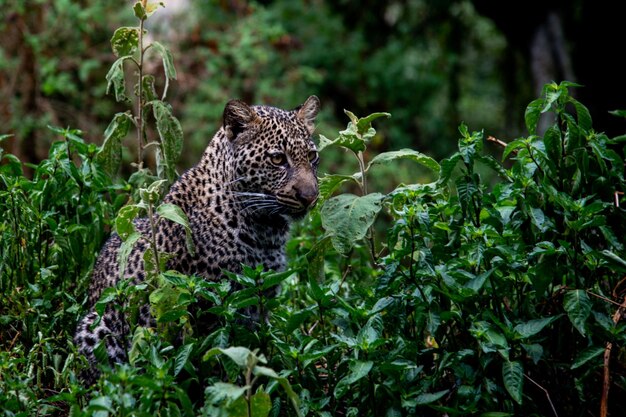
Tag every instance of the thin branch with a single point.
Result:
(603, 298)
(499, 142)
(606, 374)
(545, 391)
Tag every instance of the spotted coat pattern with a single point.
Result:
(257, 174)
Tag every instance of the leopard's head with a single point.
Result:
(275, 159)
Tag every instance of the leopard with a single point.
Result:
(257, 176)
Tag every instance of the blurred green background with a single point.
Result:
(431, 64)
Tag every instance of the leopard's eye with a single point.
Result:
(278, 159)
(313, 155)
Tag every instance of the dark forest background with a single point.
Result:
(432, 64)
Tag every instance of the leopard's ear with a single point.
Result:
(308, 111)
(237, 117)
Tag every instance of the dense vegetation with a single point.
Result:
(485, 286)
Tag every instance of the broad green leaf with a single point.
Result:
(124, 221)
(618, 113)
(587, 355)
(125, 41)
(582, 114)
(148, 90)
(513, 377)
(329, 183)
(177, 215)
(260, 404)
(181, 358)
(109, 294)
(100, 352)
(363, 124)
(347, 217)
(420, 158)
(447, 167)
(539, 219)
(553, 143)
(284, 383)
(109, 155)
(492, 163)
(512, 147)
(477, 283)
(532, 327)
(240, 355)
(577, 305)
(324, 142)
(614, 259)
(103, 403)
(125, 250)
(168, 65)
(140, 12)
(533, 112)
(171, 135)
(610, 237)
(221, 391)
(423, 399)
(273, 279)
(349, 138)
(358, 369)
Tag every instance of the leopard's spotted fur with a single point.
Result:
(256, 175)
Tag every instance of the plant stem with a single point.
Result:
(140, 119)
(370, 231)
(153, 238)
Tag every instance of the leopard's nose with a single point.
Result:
(307, 195)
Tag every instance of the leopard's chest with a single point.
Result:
(226, 239)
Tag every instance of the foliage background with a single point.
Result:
(436, 64)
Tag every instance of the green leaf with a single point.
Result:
(124, 252)
(513, 377)
(447, 167)
(477, 283)
(423, 399)
(260, 404)
(109, 155)
(513, 146)
(140, 12)
(553, 142)
(532, 327)
(124, 221)
(171, 135)
(182, 357)
(168, 65)
(582, 114)
(177, 215)
(240, 355)
(578, 307)
(329, 183)
(221, 391)
(358, 369)
(148, 89)
(420, 158)
(615, 260)
(364, 124)
(125, 41)
(587, 355)
(347, 217)
(284, 383)
(492, 163)
(533, 112)
(109, 294)
(273, 279)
